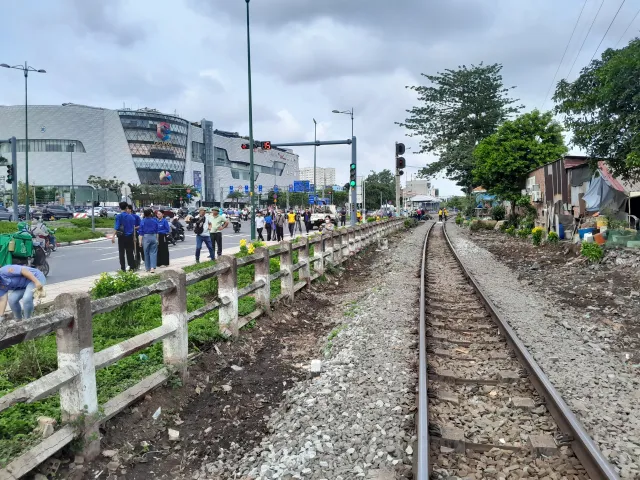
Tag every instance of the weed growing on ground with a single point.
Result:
(536, 236)
(592, 251)
(553, 238)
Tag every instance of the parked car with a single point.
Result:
(55, 212)
(6, 214)
(111, 211)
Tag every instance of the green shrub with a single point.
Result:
(504, 226)
(510, 230)
(553, 238)
(111, 284)
(71, 234)
(100, 222)
(8, 227)
(592, 251)
(475, 225)
(371, 219)
(523, 232)
(459, 220)
(410, 223)
(498, 213)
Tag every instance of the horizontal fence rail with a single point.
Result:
(72, 317)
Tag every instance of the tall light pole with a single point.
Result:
(71, 147)
(315, 139)
(346, 112)
(252, 179)
(26, 69)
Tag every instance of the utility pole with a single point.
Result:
(251, 167)
(315, 146)
(400, 164)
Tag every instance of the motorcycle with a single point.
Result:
(235, 222)
(46, 237)
(177, 232)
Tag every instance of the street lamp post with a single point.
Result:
(73, 188)
(251, 180)
(315, 139)
(346, 112)
(26, 69)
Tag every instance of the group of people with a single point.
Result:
(274, 221)
(142, 238)
(442, 214)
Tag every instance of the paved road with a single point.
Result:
(68, 263)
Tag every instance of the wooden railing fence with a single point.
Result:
(71, 320)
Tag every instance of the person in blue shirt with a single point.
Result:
(163, 244)
(124, 230)
(137, 251)
(19, 283)
(268, 224)
(148, 232)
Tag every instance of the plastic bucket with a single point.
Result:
(583, 231)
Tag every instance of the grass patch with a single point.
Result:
(71, 234)
(100, 222)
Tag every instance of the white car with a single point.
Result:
(96, 211)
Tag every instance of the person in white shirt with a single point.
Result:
(259, 225)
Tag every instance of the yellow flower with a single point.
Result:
(251, 249)
(538, 229)
(243, 242)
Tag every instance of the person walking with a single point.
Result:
(291, 220)
(149, 240)
(306, 218)
(202, 229)
(343, 217)
(17, 283)
(138, 256)
(268, 224)
(124, 230)
(280, 221)
(440, 215)
(260, 223)
(217, 223)
(299, 221)
(163, 241)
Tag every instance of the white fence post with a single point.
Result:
(175, 348)
(344, 243)
(263, 295)
(303, 254)
(286, 265)
(228, 293)
(79, 398)
(336, 244)
(318, 254)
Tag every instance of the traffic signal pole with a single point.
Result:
(14, 184)
(354, 191)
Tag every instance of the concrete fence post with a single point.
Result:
(344, 242)
(263, 295)
(228, 293)
(336, 240)
(175, 348)
(286, 266)
(79, 398)
(303, 254)
(351, 235)
(378, 231)
(318, 255)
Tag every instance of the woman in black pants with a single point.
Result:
(163, 244)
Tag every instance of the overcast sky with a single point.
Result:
(309, 57)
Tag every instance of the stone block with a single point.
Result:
(543, 445)
(523, 403)
(453, 437)
(316, 367)
(509, 377)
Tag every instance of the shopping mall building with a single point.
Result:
(137, 147)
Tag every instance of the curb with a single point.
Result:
(80, 242)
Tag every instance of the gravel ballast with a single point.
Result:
(593, 379)
(354, 419)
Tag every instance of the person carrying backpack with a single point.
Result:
(202, 229)
(280, 221)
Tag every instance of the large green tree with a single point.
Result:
(457, 110)
(379, 187)
(519, 146)
(602, 109)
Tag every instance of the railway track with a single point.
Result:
(485, 408)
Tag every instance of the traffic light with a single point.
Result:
(266, 145)
(244, 146)
(400, 149)
(400, 161)
(352, 175)
(9, 173)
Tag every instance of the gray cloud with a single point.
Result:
(102, 19)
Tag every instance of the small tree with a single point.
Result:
(236, 195)
(504, 159)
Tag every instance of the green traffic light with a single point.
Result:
(352, 183)
(353, 166)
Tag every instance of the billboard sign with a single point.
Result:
(163, 131)
(301, 186)
(197, 180)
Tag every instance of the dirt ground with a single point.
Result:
(607, 293)
(221, 407)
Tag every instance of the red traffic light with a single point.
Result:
(266, 145)
(401, 163)
(245, 146)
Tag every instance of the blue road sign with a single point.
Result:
(312, 187)
(275, 189)
(260, 188)
(290, 188)
(301, 186)
(231, 188)
(312, 199)
(246, 189)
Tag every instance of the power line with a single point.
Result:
(605, 33)
(563, 55)
(627, 29)
(585, 39)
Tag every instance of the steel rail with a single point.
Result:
(596, 465)
(422, 465)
